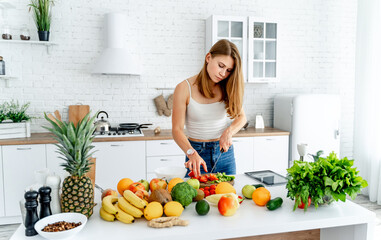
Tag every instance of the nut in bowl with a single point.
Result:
(170, 172)
(66, 217)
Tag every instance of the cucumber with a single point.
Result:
(274, 203)
(258, 185)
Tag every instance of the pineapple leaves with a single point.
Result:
(74, 143)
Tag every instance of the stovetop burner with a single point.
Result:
(120, 132)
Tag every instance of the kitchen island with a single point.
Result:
(338, 221)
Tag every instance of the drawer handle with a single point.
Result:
(270, 139)
(116, 145)
(236, 141)
(165, 160)
(166, 143)
(25, 148)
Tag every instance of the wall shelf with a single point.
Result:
(48, 44)
(6, 78)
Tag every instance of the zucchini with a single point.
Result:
(258, 185)
(274, 203)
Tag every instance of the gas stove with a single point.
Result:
(119, 132)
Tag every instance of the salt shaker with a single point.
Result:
(54, 181)
(31, 212)
(45, 201)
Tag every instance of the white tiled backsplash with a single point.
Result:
(318, 57)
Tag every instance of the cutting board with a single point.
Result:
(78, 112)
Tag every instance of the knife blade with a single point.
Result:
(215, 164)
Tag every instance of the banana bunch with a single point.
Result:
(125, 208)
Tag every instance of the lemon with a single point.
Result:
(225, 187)
(173, 209)
(153, 210)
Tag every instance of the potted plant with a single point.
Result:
(14, 121)
(323, 181)
(42, 16)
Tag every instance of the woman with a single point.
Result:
(204, 103)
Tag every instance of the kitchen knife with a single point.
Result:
(215, 164)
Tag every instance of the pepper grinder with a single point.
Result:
(31, 212)
(45, 201)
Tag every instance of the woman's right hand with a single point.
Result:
(194, 164)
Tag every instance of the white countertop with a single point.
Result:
(249, 220)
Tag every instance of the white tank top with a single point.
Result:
(205, 121)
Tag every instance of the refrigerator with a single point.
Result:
(311, 119)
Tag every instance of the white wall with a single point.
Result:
(318, 38)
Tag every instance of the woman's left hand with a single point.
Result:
(226, 140)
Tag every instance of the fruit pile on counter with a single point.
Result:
(162, 202)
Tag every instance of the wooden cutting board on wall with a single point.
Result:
(78, 112)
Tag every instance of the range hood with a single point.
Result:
(115, 59)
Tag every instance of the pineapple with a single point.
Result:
(74, 145)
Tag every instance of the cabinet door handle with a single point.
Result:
(116, 145)
(236, 141)
(165, 160)
(24, 148)
(165, 143)
(270, 139)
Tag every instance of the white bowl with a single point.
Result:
(67, 217)
(171, 172)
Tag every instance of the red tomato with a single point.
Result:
(207, 188)
(203, 179)
(301, 205)
(206, 192)
(212, 177)
(212, 191)
(212, 186)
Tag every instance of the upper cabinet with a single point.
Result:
(231, 28)
(256, 39)
(262, 51)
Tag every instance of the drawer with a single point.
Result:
(164, 161)
(163, 148)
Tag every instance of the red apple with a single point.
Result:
(143, 194)
(107, 192)
(157, 183)
(136, 186)
(227, 205)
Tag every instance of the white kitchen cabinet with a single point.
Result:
(163, 153)
(19, 164)
(232, 28)
(53, 162)
(262, 51)
(2, 212)
(271, 153)
(243, 153)
(117, 160)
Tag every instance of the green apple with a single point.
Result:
(195, 183)
(145, 183)
(247, 191)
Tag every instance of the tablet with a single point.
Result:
(267, 177)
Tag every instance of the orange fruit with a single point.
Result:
(261, 196)
(173, 182)
(123, 185)
(225, 187)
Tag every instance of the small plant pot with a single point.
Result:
(43, 35)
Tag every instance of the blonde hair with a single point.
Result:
(233, 86)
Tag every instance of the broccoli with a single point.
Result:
(183, 193)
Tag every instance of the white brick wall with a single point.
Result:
(316, 56)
